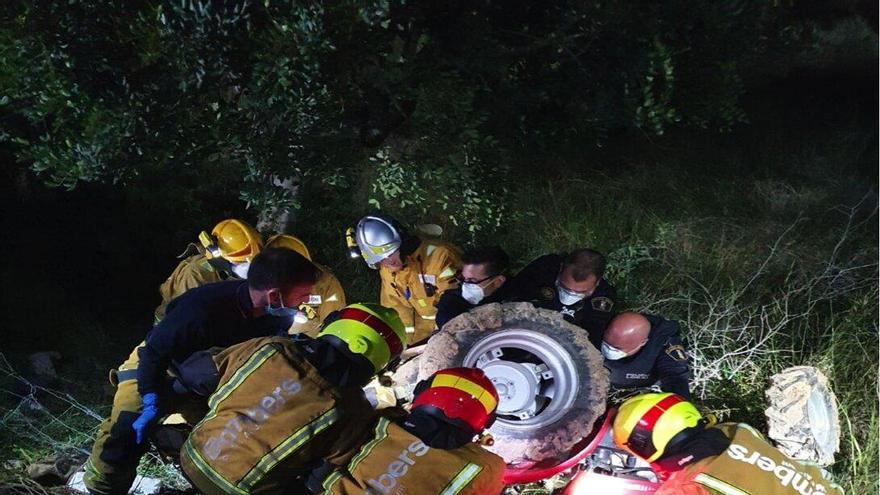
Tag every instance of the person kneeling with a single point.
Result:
(283, 404)
(694, 458)
(431, 450)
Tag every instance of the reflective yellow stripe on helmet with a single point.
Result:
(468, 386)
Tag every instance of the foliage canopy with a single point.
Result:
(359, 95)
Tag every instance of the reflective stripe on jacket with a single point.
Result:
(270, 420)
(749, 466)
(395, 461)
(194, 271)
(409, 292)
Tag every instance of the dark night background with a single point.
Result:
(683, 141)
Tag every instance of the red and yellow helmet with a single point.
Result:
(285, 241)
(463, 394)
(370, 330)
(649, 424)
(232, 240)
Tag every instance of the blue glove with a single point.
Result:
(149, 413)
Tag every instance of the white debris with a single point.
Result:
(143, 485)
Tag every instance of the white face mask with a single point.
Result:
(300, 317)
(241, 269)
(612, 353)
(567, 297)
(297, 315)
(472, 293)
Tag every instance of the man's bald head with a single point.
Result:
(628, 332)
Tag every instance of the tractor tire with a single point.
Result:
(563, 376)
(802, 416)
(405, 378)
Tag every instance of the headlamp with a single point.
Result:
(354, 251)
(211, 249)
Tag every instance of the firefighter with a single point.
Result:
(431, 450)
(283, 404)
(481, 281)
(572, 284)
(327, 296)
(414, 273)
(642, 350)
(214, 315)
(694, 458)
(224, 254)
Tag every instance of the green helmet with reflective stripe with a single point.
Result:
(370, 330)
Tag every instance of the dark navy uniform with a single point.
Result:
(536, 283)
(663, 358)
(452, 304)
(214, 315)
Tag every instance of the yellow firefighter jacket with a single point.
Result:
(271, 419)
(327, 296)
(396, 462)
(414, 290)
(749, 466)
(194, 271)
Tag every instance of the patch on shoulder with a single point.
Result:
(602, 304)
(547, 293)
(677, 352)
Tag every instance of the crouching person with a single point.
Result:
(283, 404)
(696, 459)
(431, 450)
(214, 315)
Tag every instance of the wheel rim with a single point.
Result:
(534, 375)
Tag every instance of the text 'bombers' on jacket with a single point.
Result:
(396, 462)
(749, 466)
(271, 420)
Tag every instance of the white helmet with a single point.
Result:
(377, 238)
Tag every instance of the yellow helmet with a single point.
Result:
(649, 424)
(289, 242)
(370, 330)
(232, 240)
